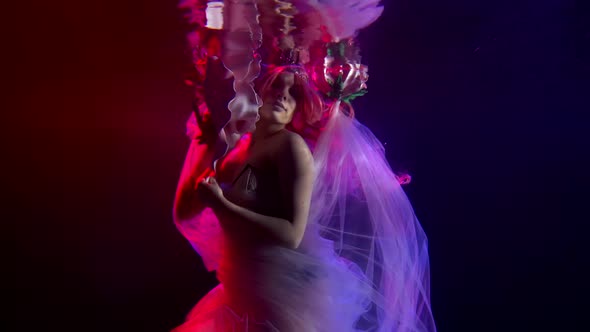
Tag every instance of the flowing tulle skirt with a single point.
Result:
(271, 288)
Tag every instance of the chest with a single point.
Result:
(250, 178)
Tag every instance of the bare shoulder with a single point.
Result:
(294, 138)
(293, 148)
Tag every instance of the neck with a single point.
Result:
(265, 130)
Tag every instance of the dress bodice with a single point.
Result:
(256, 189)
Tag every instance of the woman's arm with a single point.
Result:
(296, 182)
(187, 203)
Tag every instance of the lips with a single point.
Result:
(280, 106)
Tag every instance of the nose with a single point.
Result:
(281, 96)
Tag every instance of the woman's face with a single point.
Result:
(278, 100)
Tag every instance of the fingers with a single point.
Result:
(209, 180)
(209, 191)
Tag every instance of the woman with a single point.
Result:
(267, 284)
(328, 243)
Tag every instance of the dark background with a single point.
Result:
(483, 102)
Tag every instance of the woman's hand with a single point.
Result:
(210, 193)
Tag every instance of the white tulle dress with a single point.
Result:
(362, 264)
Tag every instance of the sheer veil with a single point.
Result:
(360, 210)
